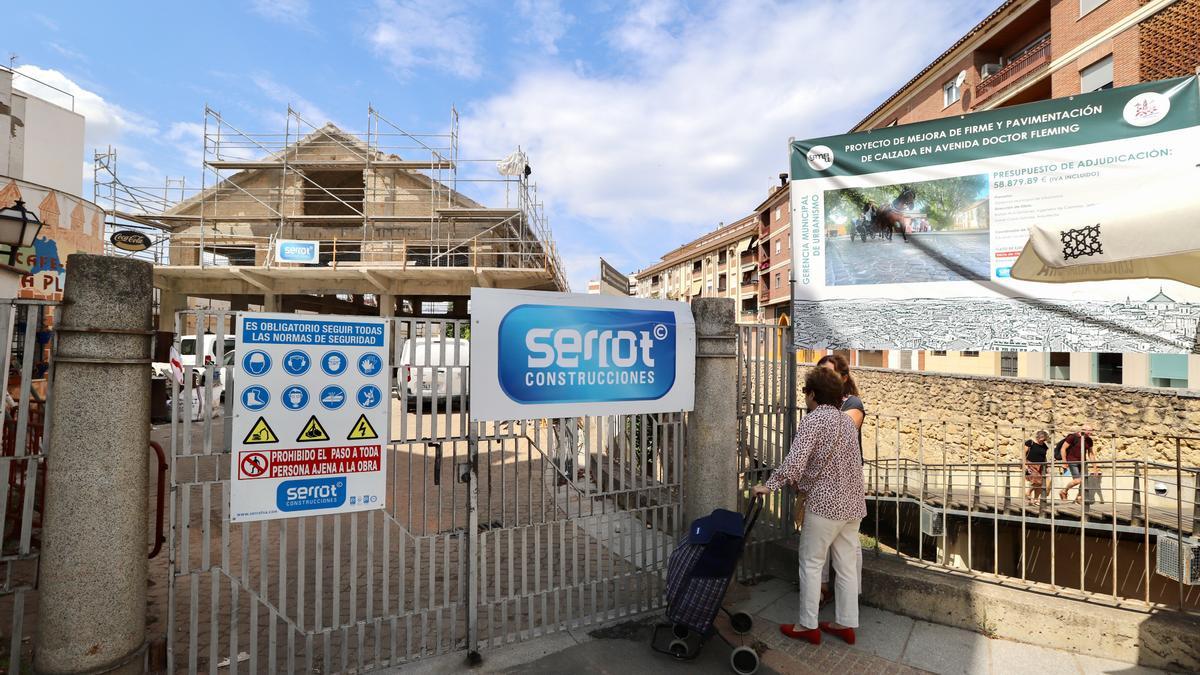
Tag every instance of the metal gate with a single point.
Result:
(767, 416)
(26, 326)
(491, 533)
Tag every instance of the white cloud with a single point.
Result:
(547, 21)
(66, 51)
(105, 122)
(188, 139)
(437, 34)
(694, 129)
(282, 94)
(294, 12)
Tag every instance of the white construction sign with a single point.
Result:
(311, 414)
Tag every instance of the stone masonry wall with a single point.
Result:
(936, 412)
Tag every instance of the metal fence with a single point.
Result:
(26, 327)
(955, 495)
(491, 532)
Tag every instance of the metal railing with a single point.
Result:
(1025, 64)
(953, 493)
(962, 481)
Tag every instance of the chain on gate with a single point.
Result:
(490, 533)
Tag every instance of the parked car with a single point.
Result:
(433, 369)
(208, 349)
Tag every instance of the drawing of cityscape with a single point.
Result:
(1159, 324)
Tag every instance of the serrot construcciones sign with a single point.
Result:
(311, 416)
(538, 354)
(297, 251)
(908, 237)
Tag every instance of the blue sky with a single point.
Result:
(647, 123)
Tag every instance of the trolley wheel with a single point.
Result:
(744, 661)
(680, 631)
(742, 623)
(678, 649)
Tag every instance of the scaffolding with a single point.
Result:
(385, 198)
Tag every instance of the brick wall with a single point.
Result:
(1170, 42)
(1069, 30)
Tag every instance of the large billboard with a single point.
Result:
(539, 354)
(906, 237)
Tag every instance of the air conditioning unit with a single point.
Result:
(989, 69)
(933, 521)
(1169, 565)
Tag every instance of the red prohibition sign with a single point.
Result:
(254, 465)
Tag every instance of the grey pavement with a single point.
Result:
(887, 643)
(928, 256)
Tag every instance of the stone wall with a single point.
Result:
(993, 416)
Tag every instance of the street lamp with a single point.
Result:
(18, 228)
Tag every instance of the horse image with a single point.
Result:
(890, 217)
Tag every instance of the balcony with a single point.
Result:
(1017, 70)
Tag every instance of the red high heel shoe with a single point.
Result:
(847, 634)
(812, 635)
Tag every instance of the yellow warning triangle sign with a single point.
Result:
(362, 430)
(313, 431)
(260, 433)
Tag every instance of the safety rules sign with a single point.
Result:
(311, 415)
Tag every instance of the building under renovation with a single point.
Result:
(394, 229)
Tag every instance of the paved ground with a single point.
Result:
(887, 643)
(930, 256)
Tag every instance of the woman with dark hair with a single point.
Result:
(853, 406)
(822, 467)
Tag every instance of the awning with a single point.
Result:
(1151, 232)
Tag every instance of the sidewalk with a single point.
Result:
(887, 643)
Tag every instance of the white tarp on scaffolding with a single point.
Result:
(513, 165)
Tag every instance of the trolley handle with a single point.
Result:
(752, 511)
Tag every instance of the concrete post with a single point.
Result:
(272, 302)
(92, 601)
(710, 454)
(387, 305)
(168, 304)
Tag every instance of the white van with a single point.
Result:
(208, 351)
(434, 369)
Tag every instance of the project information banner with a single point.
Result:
(538, 354)
(906, 236)
(311, 416)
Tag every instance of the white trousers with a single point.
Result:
(829, 563)
(819, 538)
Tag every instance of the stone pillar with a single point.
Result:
(169, 302)
(92, 601)
(710, 453)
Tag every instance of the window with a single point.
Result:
(969, 354)
(654, 280)
(1008, 364)
(721, 258)
(1060, 365)
(766, 282)
(1086, 6)
(778, 245)
(696, 266)
(778, 212)
(1169, 370)
(1097, 76)
(951, 92)
(939, 352)
(777, 282)
(1109, 367)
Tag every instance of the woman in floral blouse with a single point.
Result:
(824, 464)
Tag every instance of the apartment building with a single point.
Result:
(722, 263)
(774, 218)
(1031, 50)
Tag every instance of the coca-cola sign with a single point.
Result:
(128, 240)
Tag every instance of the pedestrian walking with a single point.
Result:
(824, 465)
(1034, 464)
(1076, 449)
